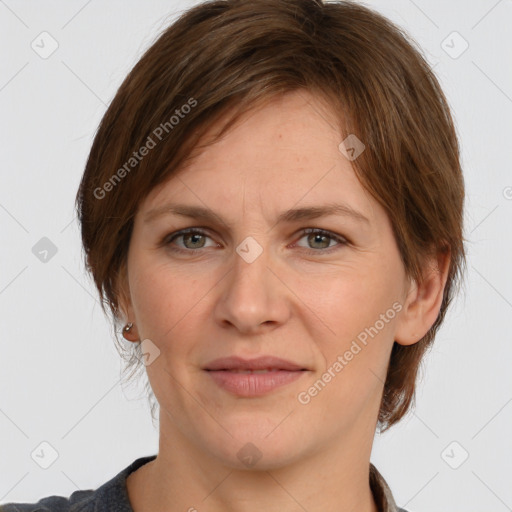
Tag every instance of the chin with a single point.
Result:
(249, 449)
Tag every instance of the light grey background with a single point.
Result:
(59, 370)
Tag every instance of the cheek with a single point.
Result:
(360, 311)
(162, 298)
(356, 357)
(348, 301)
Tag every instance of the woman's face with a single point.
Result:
(249, 282)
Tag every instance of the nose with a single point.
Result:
(252, 296)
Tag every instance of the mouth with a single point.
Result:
(260, 364)
(252, 378)
(266, 370)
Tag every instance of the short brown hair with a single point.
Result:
(226, 56)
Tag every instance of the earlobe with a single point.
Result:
(130, 332)
(423, 301)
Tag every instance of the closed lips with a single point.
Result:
(251, 378)
(262, 364)
(267, 370)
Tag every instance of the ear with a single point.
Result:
(423, 300)
(125, 304)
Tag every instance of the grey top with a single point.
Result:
(112, 496)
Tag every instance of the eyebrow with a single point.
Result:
(293, 215)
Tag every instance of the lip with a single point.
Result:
(226, 373)
(259, 363)
(253, 384)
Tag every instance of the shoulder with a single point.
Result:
(82, 501)
(111, 496)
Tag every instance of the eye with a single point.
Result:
(319, 236)
(193, 238)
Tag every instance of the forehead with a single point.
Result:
(279, 156)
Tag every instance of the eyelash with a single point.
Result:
(341, 240)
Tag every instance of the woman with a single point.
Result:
(272, 209)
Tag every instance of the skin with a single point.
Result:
(304, 298)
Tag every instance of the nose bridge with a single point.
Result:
(250, 280)
(250, 295)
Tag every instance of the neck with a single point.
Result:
(333, 479)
